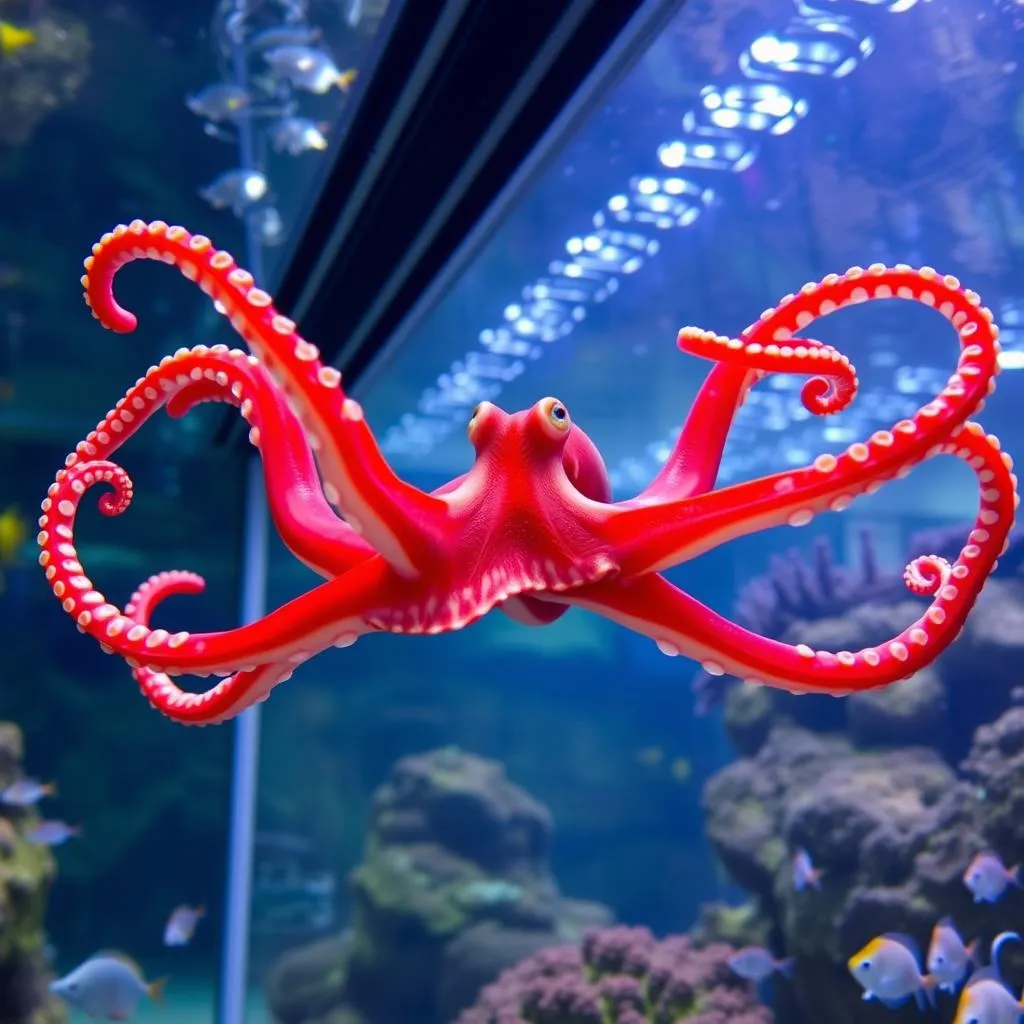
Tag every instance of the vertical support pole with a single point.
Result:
(245, 771)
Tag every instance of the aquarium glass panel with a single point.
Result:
(648, 775)
(188, 113)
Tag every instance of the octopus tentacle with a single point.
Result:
(398, 520)
(681, 624)
(304, 519)
(693, 464)
(330, 614)
(218, 704)
(652, 538)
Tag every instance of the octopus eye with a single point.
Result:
(471, 425)
(558, 415)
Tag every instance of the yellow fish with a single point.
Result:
(13, 38)
(13, 534)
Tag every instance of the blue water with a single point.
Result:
(748, 151)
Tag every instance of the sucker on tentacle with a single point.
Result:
(221, 702)
(400, 521)
(304, 519)
(530, 528)
(330, 614)
(682, 625)
(653, 538)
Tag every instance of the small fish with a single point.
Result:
(13, 38)
(181, 925)
(949, 959)
(756, 964)
(308, 68)
(988, 878)
(52, 833)
(235, 189)
(108, 986)
(27, 792)
(296, 135)
(13, 534)
(680, 769)
(650, 757)
(986, 999)
(805, 874)
(888, 968)
(218, 102)
(284, 35)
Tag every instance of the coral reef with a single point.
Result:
(620, 976)
(816, 602)
(43, 77)
(892, 832)
(454, 887)
(26, 873)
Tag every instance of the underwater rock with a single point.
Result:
(812, 600)
(750, 712)
(456, 862)
(891, 832)
(44, 76)
(26, 874)
(743, 925)
(621, 976)
(908, 713)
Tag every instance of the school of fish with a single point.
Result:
(109, 985)
(889, 968)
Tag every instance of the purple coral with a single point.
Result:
(621, 975)
(796, 588)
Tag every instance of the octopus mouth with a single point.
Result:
(441, 610)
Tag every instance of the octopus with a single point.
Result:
(530, 529)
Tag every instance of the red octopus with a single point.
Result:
(530, 528)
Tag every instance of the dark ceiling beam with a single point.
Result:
(464, 94)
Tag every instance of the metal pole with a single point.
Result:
(245, 771)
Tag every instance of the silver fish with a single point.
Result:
(307, 68)
(108, 986)
(296, 135)
(236, 190)
(52, 833)
(219, 102)
(27, 792)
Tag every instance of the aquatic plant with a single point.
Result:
(621, 975)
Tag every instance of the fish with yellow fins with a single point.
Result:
(888, 968)
(108, 986)
(13, 38)
(986, 998)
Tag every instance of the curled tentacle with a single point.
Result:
(831, 389)
(397, 519)
(307, 524)
(332, 614)
(219, 703)
(926, 574)
(680, 624)
(649, 539)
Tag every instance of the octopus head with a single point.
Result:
(542, 433)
